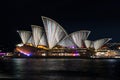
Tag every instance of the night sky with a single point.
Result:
(102, 18)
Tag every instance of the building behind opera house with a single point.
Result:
(53, 40)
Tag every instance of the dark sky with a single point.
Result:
(102, 18)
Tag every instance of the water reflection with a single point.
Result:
(60, 69)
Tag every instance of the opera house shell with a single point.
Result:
(53, 35)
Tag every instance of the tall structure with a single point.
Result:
(97, 43)
(25, 35)
(89, 44)
(31, 40)
(67, 42)
(79, 37)
(53, 35)
(43, 40)
(37, 34)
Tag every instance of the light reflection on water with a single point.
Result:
(60, 69)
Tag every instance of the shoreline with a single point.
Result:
(57, 57)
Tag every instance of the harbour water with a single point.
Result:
(59, 69)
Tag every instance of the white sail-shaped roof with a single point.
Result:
(25, 35)
(88, 43)
(99, 43)
(43, 40)
(79, 37)
(54, 32)
(37, 33)
(31, 41)
(67, 42)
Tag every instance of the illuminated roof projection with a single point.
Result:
(25, 35)
(99, 43)
(26, 50)
(79, 37)
(37, 34)
(89, 44)
(54, 32)
(67, 42)
(43, 40)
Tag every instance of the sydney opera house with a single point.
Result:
(53, 40)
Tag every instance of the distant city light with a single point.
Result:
(1, 54)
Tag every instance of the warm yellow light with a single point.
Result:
(30, 44)
(43, 47)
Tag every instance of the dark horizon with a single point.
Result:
(100, 17)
